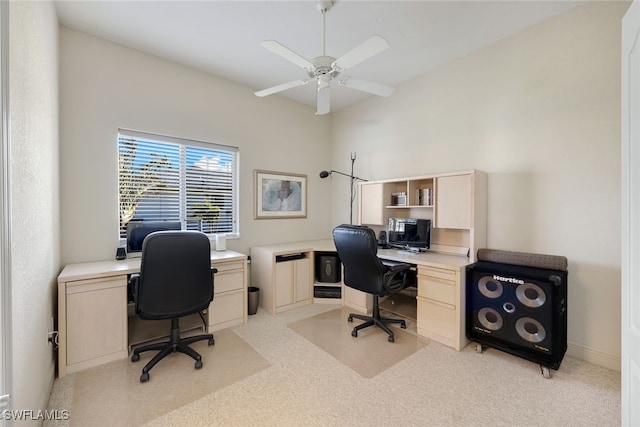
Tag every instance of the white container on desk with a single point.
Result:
(221, 243)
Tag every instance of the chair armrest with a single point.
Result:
(391, 281)
(134, 282)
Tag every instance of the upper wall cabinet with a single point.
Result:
(455, 202)
(371, 204)
(454, 206)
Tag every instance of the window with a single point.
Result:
(166, 178)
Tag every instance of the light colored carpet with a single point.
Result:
(305, 386)
(120, 398)
(369, 354)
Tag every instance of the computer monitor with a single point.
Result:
(410, 232)
(138, 230)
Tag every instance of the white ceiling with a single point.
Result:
(222, 37)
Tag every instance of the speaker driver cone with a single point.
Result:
(531, 295)
(490, 288)
(490, 319)
(530, 330)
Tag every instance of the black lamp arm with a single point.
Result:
(347, 175)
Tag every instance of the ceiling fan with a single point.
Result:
(323, 69)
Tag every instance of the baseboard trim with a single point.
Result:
(596, 357)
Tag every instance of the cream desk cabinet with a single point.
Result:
(441, 294)
(441, 285)
(286, 276)
(96, 323)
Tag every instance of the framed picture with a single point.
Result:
(280, 195)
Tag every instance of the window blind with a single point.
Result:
(168, 178)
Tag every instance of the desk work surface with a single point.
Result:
(92, 270)
(325, 245)
(435, 259)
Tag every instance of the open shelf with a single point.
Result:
(402, 305)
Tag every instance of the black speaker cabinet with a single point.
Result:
(519, 310)
(328, 268)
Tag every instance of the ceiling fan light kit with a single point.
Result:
(323, 69)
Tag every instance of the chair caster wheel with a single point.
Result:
(546, 373)
(350, 319)
(354, 333)
(135, 357)
(391, 338)
(403, 325)
(144, 377)
(198, 364)
(212, 341)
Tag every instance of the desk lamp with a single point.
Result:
(353, 178)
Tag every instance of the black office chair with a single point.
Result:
(175, 280)
(363, 270)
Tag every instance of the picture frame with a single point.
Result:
(280, 195)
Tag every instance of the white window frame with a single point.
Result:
(183, 142)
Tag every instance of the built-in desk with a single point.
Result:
(93, 315)
(441, 294)
(441, 286)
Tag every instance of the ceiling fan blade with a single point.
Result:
(280, 88)
(323, 101)
(366, 50)
(286, 53)
(365, 86)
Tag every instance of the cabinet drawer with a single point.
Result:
(226, 307)
(437, 289)
(441, 273)
(229, 265)
(437, 318)
(224, 281)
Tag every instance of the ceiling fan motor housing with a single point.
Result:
(324, 6)
(322, 66)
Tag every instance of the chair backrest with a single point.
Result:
(357, 248)
(175, 275)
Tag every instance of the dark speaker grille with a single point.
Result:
(518, 309)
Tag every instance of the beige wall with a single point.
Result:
(540, 113)
(105, 86)
(34, 192)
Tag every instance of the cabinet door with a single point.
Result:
(96, 318)
(371, 204)
(303, 279)
(454, 202)
(284, 283)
